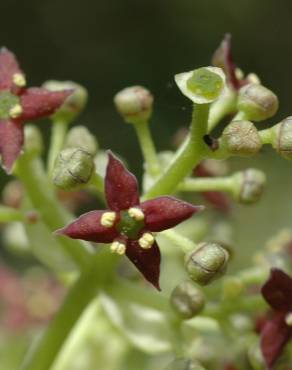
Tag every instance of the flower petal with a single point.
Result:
(147, 261)
(165, 212)
(222, 58)
(277, 291)
(274, 337)
(88, 227)
(39, 102)
(11, 141)
(8, 67)
(121, 187)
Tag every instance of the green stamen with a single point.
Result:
(7, 102)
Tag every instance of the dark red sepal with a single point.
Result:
(88, 227)
(277, 291)
(8, 67)
(165, 212)
(147, 261)
(39, 102)
(275, 335)
(121, 187)
(11, 141)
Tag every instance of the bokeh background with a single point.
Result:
(110, 44)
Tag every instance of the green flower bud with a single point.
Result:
(134, 104)
(81, 137)
(241, 138)
(74, 104)
(250, 185)
(187, 300)
(203, 85)
(33, 141)
(257, 102)
(73, 168)
(184, 364)
(282, 138)
(207, 263)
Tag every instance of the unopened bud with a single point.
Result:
(134, 104)
(203, 85)
(282, 137)
(74, 104)
(187, 300)
(184, 364)
(81, 137)
(257, 102)
(241, 138)
(250, 185)
(33, 141)
(207, 263)
(73, 168)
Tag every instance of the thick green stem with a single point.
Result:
(84, 290)
(147, 147)
(188, 156)
(43, 199)
(59, 130)
(220, 108)
(266, 136)
(208, 184)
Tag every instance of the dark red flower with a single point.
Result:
(218, 199)
(277, 331)
(223, 58)
(129, 224)
(19, 104)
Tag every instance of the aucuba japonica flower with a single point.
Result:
(19, 104)
(128, 224)
(277, 331)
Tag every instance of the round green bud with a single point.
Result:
(257, 102)
(73, 168)
(250, 185)
(134, 104)
(203, 85)
(282, 138)
(33, 141)
(74, 104)
(187, 300)
(81, 137)
(184, 364)
(241, 138)
(207, 263)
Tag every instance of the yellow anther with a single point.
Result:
(288, 319)
(136, 213)
(146, 241)
(108, 219)
(15, 111)
(19, 79)
(118, 248)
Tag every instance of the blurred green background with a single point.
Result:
(107, 45)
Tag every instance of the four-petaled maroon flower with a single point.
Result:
(128, 224)
(19, 104)
(223, 58)
(276, 332)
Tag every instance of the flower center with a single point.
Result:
(129, 226)
(8, 102)
(205, 83)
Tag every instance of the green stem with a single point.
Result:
(266, 136)
(208, 184)
(8, 214)
(183, 242)
(220, 108)
(59, 130)
(147, 147)
(187, 157)
(97, 181)
(43, 199)
(78, 298)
